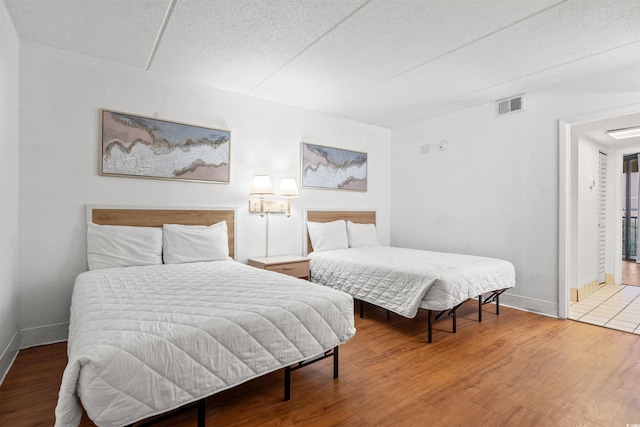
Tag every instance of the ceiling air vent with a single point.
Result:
(510, 105)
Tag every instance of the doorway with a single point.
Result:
(629, 205)
(611, 304)
(630, 273)
(594, 125)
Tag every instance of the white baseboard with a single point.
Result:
(9, 355)
(529, 304)
(41, 335)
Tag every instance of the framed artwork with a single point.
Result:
(144, 147)
(333, 168)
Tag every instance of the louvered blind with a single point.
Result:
(602, 215)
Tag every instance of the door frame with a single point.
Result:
(567, 198)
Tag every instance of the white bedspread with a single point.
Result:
(403, 280)
(144, 340)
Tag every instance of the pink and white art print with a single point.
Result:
(333, 168)
(144, 147)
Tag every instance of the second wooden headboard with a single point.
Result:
(360, 217)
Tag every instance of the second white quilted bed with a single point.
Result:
(403, 280)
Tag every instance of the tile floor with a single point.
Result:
(612, 306)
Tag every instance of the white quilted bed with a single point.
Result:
(403, 280)
(145, 340)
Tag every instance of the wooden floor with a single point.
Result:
(630, 273)
(516, 369)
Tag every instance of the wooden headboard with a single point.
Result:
(141, 217)
(360, 217)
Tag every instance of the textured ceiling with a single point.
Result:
(384, 62)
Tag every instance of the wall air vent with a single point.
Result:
(509, 105)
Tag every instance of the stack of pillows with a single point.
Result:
(111, 246)
(341, 234)
(122, 246)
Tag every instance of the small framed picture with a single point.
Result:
(333, 168)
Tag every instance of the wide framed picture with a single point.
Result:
(333, 168)
(144, 147)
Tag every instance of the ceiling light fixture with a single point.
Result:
(624, 133)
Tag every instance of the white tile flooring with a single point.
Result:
(612, 306)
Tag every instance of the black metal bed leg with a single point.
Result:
(361, 309)
(202, 411)
(495, 297)
(453, 320)
(287, 383)
(480, 308)
(430, 327)
(288, 369)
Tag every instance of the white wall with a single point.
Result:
(60, 95)
(494, 190)
(8, 191)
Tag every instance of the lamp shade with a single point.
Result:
(261, 186)
(288, 188)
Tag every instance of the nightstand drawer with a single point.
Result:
(291, 265)
(295, 269)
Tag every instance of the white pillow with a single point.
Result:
(362, 235)
(328, 235)
(122, 246)
(194, 243)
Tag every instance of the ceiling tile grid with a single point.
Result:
(385, 62)
(235, 45)
(113, 30)
(385, 41)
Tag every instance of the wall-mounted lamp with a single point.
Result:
(261, 187)
(288, 189)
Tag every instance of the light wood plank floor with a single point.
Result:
(516, 369)
(630, 273)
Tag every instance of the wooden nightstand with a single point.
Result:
(291, 265)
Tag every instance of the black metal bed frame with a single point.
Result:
(201, 404)
(494, 296)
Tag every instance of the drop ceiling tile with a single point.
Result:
(384, 39)
(118, 31)
(512, 55)
(235, 45)
(367, 110)
(325, 79)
